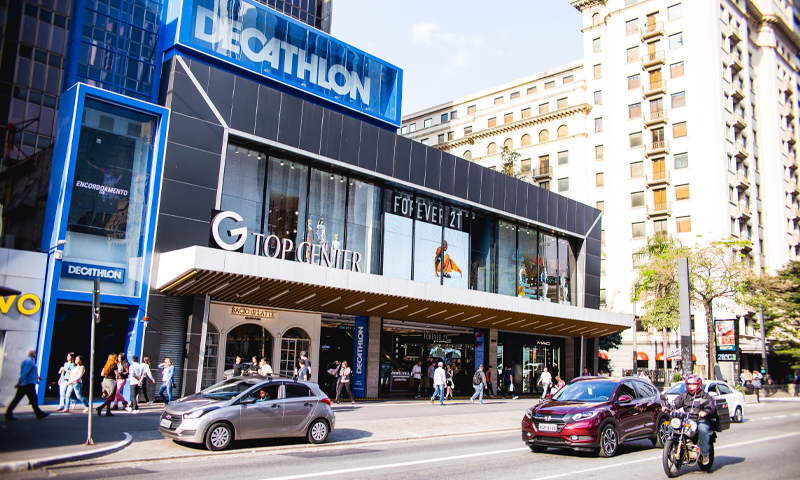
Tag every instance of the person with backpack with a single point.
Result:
(479, 382)
(757, 384)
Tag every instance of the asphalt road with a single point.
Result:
(765, 446)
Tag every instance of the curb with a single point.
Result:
(44, 462)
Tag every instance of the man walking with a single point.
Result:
(489, 387)
(306, 362)
(479, 377)
(26, 387)
(757, 377)
(586, 372)
(136, 375)
(439, 381)
(508, 383)
(546, 380)
(431, 370)
(416, 375)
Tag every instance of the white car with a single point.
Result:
(736, 403)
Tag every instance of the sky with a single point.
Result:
(451, 48)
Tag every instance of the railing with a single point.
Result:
(659, 207)
(737, 90)
(744, 209)
(740, 149)
(788, 111)
(786, 85)
(790, 161)
(652, 29)
(655, 116)
(738, 118)
(657, 146)
(733, 31)
(544, 170)
(789, 136)
(735, 60)
(654, 86)
(657, 176)
(654, 57)
(742, 178)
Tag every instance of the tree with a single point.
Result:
(779, 296)
(508, 164)
(612, 340)
(717, 271)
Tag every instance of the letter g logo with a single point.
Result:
(241, 231)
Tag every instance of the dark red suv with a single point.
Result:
(595, 413)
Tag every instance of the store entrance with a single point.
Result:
(248, 341)
(72, 330)
(337, 344)
(536, 359)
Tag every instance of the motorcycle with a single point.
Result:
(682, 449)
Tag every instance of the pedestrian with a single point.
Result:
(167, 379)
(64, 372)
(148, 377)
(449, 385)
(558, 385)
(600, 373)
(416, 375)
(586, 372)
(344, 382)
(136, 376)
(238, 367)
(109, 384)
(439, 381)
(546, 380)
(26, 387)
(757, 384)
(306, 362)
(123, 370)
(264, 369)
(335, 371)
(253, 367)
(508, 383)
(431, 371)
(75, 384)
(489, 385)
(479, 382)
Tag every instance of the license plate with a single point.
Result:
(165, 423)
(548, 427)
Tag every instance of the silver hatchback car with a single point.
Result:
(249, 407)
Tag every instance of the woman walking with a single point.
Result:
(167, 378)
(344, 382)
(64, 371)
(147, 377)
(109, 384)
(123, 369)
(75, 385)
(449, 383)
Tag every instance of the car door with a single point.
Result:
(627, 413)
(648, 406)
(729, 394)
(299, 403)
(264, 417)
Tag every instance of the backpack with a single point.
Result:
(476, 379)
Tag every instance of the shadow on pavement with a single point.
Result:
(722, 462)
(338, 435)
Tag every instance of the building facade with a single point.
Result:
(672, 123)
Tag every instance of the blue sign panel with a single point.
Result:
(90, 272)
(360, 356)
(253, 36)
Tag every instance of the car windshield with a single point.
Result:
(595, 391)
(228, 389)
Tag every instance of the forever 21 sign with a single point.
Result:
(274, 247)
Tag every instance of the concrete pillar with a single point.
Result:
(373, 382)
(568, 372)
(595, 352)
(491, 351)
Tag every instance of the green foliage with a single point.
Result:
(779, 296)
(509, 164)
(740, 388)
(676, 377)
(612, 340)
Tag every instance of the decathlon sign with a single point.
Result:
(90, 272)
(359, 356)
(250, 35)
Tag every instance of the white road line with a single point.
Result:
(781, 416)
(414, 434)
(396, 465)
(760, 440)
(765, 418)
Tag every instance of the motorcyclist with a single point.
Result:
(695, 398)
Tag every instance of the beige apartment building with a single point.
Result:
(679, 119)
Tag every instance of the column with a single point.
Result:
(568, 372)
(373, 384)
(195, 343)
(490, 350)
(595, 353)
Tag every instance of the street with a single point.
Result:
(761, 447)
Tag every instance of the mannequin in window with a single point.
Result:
(446, 264)
(336, 244)
(310, 240)
(322, 237)
(543, 281)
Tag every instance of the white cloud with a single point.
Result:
(422, 32)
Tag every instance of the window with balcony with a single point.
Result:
(596, 45)
(563, 184)
(676, 70)
(681, 160)
(544, 185)
(638, 230)
(632, 26)
(636, 139)
(598, 72)
(471, 109)
(526, 113)
(634, 110)
(599, 179)
(678, 99)
(561, 103)
(492, 122)
(563, 157)
(544, 108)
(598, 124)
(508, 118)
(684, 224)
(674, 12)
(598, 152)
(682, 192)
(549, 85)
(637, 169)
(427, 123)
(676, 41)
(637, 199)
(598, 97)
(633, 54)
(634, 81)
(679, 130)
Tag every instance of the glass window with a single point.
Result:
(412, 128)
(568, 79)
(634, 81)
(598, 71)
(602, 237)
(638, 230)
(427, 123)
(404, 130)
(660, 227)
(498, 100)
(527, 263)
(509, 144)
(637, 199)
(635, 110)
(467, 155)
(287, 188)
(453, 115)
(397, 234)
(682, 192)
(470, 109)
(492, 122)
(293, 342)
(563, 131)
(483, 268)
(679, 130)
(637, 169)
(544, 108)
(676, 69)
(531, 90)
(549, 85)
(548, 267)
(601, 205)
(526, 113)
(526, 140)
(525, 166)
(636, 139)
(633, 54)
(441, 138)
(563, 184)
(513, 96)
(544, 136)
(599, 179)
(243, 190)
(561, 103)
(598, 152)
(676, 41)
(678, 99)
(507, 259)
(598, 97)
(492, 148)
(454, 253)
(684, 224)
(563, 157)
(445, 118)
(598, 124)
(468, 130)
(632, 26)
(364, 224)
(596, 45)
(508, 118)
(638, 260)
(109, 207)
(681, 160)
(674, 12)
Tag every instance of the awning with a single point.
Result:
(602, 355)
(660, 358)
(642, 356)
(263, 281)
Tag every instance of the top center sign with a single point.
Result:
(253, 36)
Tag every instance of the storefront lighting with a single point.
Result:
(236, 150)
(487, 319)
(454, 316)
(331, 177)
(377, 306)
(279, 295)
(291, 165)
(330, 301)
(398, 309)
(529, 324)
(182, 287)
(504, 320)
(443, 311)
(248, 292)
(281, 163)
(212, 292)
(470, 318)
(519, 321)
(305, 298)
(418, 311)
(357, 303)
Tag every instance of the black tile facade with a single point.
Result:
(331, 134)
(433, 168)
(189, 165)
(475, 182)
(311, 131)
(532, 210)
(561, 217)
(290, 120)
(245, 96)
(510, 194)
(220, 91)
(385, 160)
(402, 159)
(522, 199)
(447, 176)
(174, 197)
(351, 138)
(368, 149)
(195, 133)
(186, 99)
(418, 152)
(182, 233)
(461, 178)
(267, 113)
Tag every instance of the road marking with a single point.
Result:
(760, 440)
(397, 465)
(765, 418)
(781, 416)
(414, 434)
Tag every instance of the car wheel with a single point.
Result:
(219, 437)
(609, 441)
(538, 448)
(738, 416)
(317, 431)
(662, 433)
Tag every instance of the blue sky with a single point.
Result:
(451, 48)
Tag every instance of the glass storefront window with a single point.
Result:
(507, 259)
(548, 270)
(294, 341)
(210, 357)
(563, 272)
(364, 224)
(287, 186)
(110, 195)
(398, 234)
(326, 210)
(483, 267)
(454, 258)
(528, 263)
(248, 341)
(243, 190)
(428, 260)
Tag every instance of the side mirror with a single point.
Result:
(248, 401)
(624, 399)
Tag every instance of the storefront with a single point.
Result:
(528, 356)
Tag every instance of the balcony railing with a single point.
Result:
(786, 85)
(740, 150)
(655, 117)
(738, 120)
(656, 148)
(733, 33)
(790, 161)
(652, 30)
(744, 210)
(545, 171)
(662, 208)
(653, 88)
(735, 61)
(650, 59)
(789, 136)
(795, 212)
(737, 91)
(788, 111)
(742, 179)
(657, 178)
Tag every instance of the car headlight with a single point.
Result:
(675, 423)
(529, 414)
(584, 415)
(198, 413)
